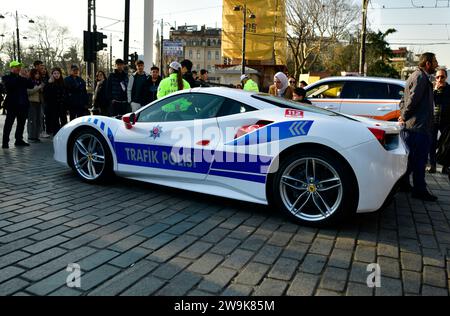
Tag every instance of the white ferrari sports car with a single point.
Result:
(317, 166)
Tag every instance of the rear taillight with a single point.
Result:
(379, 134)
(244, 130)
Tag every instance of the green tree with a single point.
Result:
(379, 54)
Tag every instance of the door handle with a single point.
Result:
(330, 108)
(385, 108)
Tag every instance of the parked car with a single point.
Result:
(317, 166)
(377, 98)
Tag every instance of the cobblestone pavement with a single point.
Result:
(132, 238)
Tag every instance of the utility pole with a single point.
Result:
(89, 65)
(126, 40)
(244, 35)
(362, 59)
(110, 53)
(161, 50)
(18, 38)
(94, 13)
(14, 46)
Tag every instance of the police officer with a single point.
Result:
(174, 82)
(249, 84)
(16, 103)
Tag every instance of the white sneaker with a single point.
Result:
(45, 135)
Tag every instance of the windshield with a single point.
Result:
(288, 104)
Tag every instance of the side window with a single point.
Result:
(365, 90)
(185, 107)
(396, 92)
(232, 107)
(330, 90)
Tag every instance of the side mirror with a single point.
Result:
(129, 120)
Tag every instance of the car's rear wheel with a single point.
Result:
(90, 156)
(315, 189)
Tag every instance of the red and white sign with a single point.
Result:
(294, 113)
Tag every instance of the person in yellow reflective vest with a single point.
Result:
(174, 82)
(249, 84)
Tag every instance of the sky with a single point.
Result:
(419, 29)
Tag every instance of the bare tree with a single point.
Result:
(313, 25)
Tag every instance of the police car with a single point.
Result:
(315, 165)
(377, 98)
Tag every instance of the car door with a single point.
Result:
(370, 99)
(326, 95)
(172, 139)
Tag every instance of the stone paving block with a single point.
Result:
(181, 228)
(304, 284)
(49, 233)
(341, 258)
(127, 243)
(145, 287)
(322, 292)
(97, 259)
(345, 243)
(22, 225)
(270, 287)
(12, 258)
(389, 267)
(128, 278)
(78, 231)
(51, 283)
(389, 287)
(252, 274)
(226, 246)
(46, 244)
(388, 250)
(180, 285)
(433, 258)
(313, 264)
(58, 264)
(295, 250)
(237, 290)
(96, 277)
(411, 282)
(283, 269)
(434, 291)
(169, 269)
(238, 259)
(66, 291)
(9, 273)
(215, 235)
(365, 254)
(42, 258)
(158, 241)
(217, 280)
(241, 232)
(280, 238)
(268, 254)
(196, 250)
(12, 286)
(334, 279)
(411, 261)
(153, 230)
(435, 276)
(305, 235)
(172, 249)
(359, 273)
(206, 263)
(254, 242)
(356, 289)
(322, 246)
(130, 257)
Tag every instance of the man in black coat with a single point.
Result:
(186, 70)
(16, 103)
(417, 110)
(116, 90)
(77, 97)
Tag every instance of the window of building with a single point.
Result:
(209, 55)
(198, 54)
(217, 55)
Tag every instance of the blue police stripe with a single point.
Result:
(240, 176)
(274, 132)
(102, 126)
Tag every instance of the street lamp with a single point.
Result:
(162, 43)
(252, 16)
(17, 29)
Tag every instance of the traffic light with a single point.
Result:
(99, 45)
(88, 49)
(133, 59)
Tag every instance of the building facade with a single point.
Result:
(201, 46)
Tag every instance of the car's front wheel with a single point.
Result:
(314, 188)
(90, 156)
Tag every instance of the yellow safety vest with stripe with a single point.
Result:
(170, 85)
(250, 85)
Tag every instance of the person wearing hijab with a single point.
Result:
(281, 87)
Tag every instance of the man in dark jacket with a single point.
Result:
(186, 70)
(153, 82)
(16, 103)
(77, 97)
(441, 115)
(417, 119)
(116, 90)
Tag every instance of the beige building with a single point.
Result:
(202, 47)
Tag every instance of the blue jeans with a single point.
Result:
(418, 145)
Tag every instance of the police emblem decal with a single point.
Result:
(156, 132)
